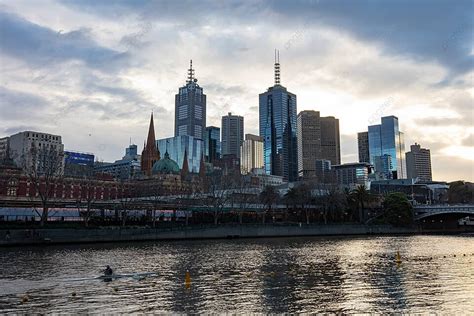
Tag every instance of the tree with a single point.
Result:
(88, 195)
(461, 192)
(268, 197)
(398, 210)
(44, 169)
(217, 195)
(361, 196)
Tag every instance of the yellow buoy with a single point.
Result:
(187, 280)
(398, 259)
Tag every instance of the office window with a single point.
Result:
(182, 130)
(182, 112)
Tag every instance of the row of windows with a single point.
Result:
(42, 136)
(182, 112)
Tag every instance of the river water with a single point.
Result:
(292, 275)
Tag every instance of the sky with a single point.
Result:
(92, 71)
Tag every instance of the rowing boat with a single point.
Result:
(136, 276)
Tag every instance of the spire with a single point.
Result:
(185, 168)
(150, 153)
(202, 167)
(277, 67)
(151, 133)
(191, 72)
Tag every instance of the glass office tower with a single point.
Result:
(176, 146)
(387, 148)
(277, 120)
(212, 143)
(190, 108)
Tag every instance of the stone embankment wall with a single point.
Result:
(49, 236)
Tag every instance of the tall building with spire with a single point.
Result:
(277, 120)
(190, 108)
(150, 153)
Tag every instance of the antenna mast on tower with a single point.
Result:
(190, 72)
(277, 67)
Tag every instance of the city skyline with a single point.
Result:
(97, 102)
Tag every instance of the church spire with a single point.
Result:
(150, 153)
(151, 133)
(185, 168)
(202, 167)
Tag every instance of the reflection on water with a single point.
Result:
(295, 275)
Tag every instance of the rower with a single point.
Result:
(108, 271)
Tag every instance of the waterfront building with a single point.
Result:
(386, 140)
(126, 168)
(150, 153)
(190, 108)
(318, 139)
(363, 146)
(178, 146)
(251, 153)
(212, 143)
(352, 174)
(419, 192)
(232, 134)
(258, 178)
(277, 124)
(78, 164)
(418, 162)
(35, 150)
(14, 183)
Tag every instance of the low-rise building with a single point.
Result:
(352, 174)
(41, 152)
(126, 168)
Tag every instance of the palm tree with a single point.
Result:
(361, 195)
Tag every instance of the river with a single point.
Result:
(274, 275)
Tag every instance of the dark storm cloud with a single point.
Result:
(40, 46)
(435, 30)
(439, 31)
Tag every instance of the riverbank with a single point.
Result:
(118, 234)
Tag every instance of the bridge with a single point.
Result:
(424, 211)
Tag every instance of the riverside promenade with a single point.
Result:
(119, 234)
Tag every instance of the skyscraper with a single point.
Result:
(386, 142)
(232, 134)
(363, 145)
(277, 120)
(330, 140)
(418, 162)
(309, 143)
(179, 147)
(190, 108)
(212, 143)
(150, 153)
(251, 153)
(318, 139)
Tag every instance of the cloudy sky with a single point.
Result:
(92, 71)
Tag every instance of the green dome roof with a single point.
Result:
(165, 166)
